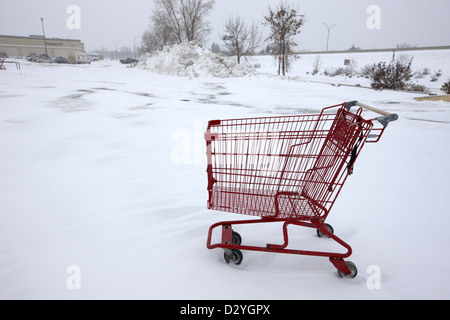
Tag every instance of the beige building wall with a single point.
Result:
(24, 46)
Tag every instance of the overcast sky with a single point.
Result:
(107, 23)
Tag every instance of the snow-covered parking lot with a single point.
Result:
(102, 175)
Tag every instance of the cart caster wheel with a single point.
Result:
(323, 235)
(353, 270)
(234, 256)
(237, 239)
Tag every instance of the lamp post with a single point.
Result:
(329, 28)
(43, 32)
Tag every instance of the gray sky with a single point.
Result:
(109, 23)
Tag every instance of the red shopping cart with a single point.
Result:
(286, 169)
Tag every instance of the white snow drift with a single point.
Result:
(192, 60)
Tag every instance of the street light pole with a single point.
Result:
(43, 32)
(329, 28)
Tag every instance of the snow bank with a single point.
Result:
(192, 60)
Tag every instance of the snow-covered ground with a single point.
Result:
(102, 180)
(425, 64)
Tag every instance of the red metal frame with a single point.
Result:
(286, 169)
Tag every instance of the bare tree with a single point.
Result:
(284, 24)
(239, 40)
(156, 37)
(182, 20)
(193, 13)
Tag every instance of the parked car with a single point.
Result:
(60, 60)
(42, 58)
(31, 57)
(128, 60)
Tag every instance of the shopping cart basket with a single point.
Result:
(286, 169)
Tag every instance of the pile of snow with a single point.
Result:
(192, 60)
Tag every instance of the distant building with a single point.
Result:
(23, 46)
